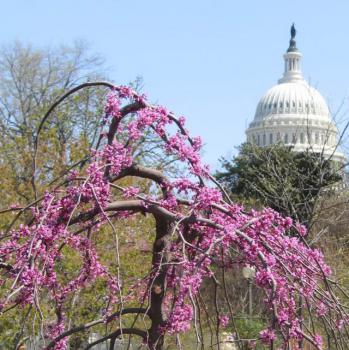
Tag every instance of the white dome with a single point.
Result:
(294, 113)
(292, 98)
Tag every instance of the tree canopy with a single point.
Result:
(31, 79)
(275, 176)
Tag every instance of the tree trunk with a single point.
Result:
(158, 287)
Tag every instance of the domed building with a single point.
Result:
(295, 113)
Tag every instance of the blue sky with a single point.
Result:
(209, 60)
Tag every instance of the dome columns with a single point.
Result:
(292, 71)
(293, 136)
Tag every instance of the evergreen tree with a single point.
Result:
(275, 176)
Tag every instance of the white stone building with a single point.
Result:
(295, 113)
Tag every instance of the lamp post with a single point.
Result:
(249, 272)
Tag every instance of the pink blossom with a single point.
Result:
(130, 191)
(318, 341)
(224, 320)
(301, 229)
(112, 107)
(267, 336)
(180, 318)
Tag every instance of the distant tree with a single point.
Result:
(275, 176)
(197, 232)
(31, 79)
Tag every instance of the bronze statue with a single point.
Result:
(293, 31)
(292, 46)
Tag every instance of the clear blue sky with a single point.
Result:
(210, 60)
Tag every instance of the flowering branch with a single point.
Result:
(197, 229)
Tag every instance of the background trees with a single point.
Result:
(275, 176)
(31, 79)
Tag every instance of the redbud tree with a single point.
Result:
(198, 231)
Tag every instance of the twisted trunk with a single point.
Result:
(158, 287)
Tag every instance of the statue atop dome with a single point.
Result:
(292, 46)
(293, 31)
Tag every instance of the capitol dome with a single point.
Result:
(295, 113)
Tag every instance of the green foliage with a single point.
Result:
(249, 328)
(277, 177)
(31, 79)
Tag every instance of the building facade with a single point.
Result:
(294, 113)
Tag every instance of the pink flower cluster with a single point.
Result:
(130, 191)
(223, 320)
(116, 156)
(268, 335)
(179, 320)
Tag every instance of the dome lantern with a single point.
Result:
(292, 57)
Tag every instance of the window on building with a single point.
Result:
(302, 137)
(271, 139)
(316, 138)
(264, 139)
(286, 139)
(294, 138)
(309, 137)
(258, 140)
